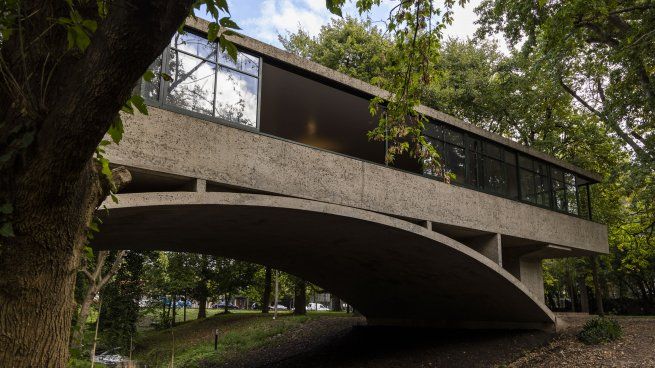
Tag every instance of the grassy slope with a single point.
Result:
(193, 341)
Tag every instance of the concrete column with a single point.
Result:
(488, 245)
(531, 275)
(198, 185)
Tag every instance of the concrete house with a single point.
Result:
(267, 160)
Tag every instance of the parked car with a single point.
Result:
(279, 307)
(221, 305)
(317, 307)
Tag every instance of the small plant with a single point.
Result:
(600, 330)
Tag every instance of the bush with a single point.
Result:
(599, 330)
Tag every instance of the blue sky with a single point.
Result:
(265, 19)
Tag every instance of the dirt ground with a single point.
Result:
(635, 349)
(335, 342)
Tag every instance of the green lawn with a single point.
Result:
(193, 341)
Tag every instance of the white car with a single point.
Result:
(317, 307)
(279, 307)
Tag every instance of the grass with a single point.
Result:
(193, 342)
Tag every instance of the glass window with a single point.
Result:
(455, 162)
(474, 169)
(495, 178)
(195, 45)
(584, 201)
(150, 90)
(454, 137)
(192, 84)
(525, 162)
(245, 62)
(571, 194)
(433, 130)
(510, 157)
(512, 182)
(492, 150)
(542, 190)
(527, 186)
(236, 97)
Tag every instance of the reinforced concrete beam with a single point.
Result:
(489, 246)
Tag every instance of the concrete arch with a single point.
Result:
(392, 270)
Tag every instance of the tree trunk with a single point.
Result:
(225, 301)
(173, 311)
(600, 310)
(184, 314)
(202, 307)
(54, 113)
(584, 296)
(266, 299)
(336, 304)
(300, 298)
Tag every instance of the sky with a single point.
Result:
(265, 19)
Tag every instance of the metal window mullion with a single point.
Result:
(194, 55)
(163, 90)
(215, 85)
(577, 195)
(259, 92)
(589, 200)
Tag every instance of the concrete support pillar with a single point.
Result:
(531, 275)
(198, 185)
(427, 224)
(488, 245)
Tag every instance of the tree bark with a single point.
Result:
(47, 139)
(202, 307)
(336, 304)
(600, 310)
(266, 299)
(300, 297)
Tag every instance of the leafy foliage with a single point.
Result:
(600, 330)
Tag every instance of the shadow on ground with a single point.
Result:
(320, 344)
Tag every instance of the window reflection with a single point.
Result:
(236, 97)
(195, 45)
(245, 63)
(150, 90)
(192, 84)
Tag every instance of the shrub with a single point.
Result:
(599, 330)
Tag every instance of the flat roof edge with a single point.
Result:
(341, 78)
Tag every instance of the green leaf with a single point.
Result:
(212, 31)
(228, 23)
(113, 198)
(89, 24)
(6, 208)
(166, 77)
(334, 6)
(138, 102)
(116, 129)
(94, 227)
(7, 230)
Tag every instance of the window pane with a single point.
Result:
(236, 97)
(455, 162)
(475, 145)
(150, 90)
(540, 168)
(571, 198)
(194, 44)
(527, 186)
(542, 190)
(474, 169)
(492, 150)
(192, 86)
(245, 62)
(454, 137)
(510, 157)
(525, 162)
(495, 179)
(512, 182)
(433, 130)
(557, 174)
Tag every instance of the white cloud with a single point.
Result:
(279, 16)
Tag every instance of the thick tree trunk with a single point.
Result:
(266, 299)
(336, 304)
(174, 311)
(600, 310)
(53, 115)
(300, 298)
(202, 307)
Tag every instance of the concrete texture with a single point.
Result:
(175, 144)
(489, 246)
(340, 78)
(388, 268)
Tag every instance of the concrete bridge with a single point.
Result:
(290, 181)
